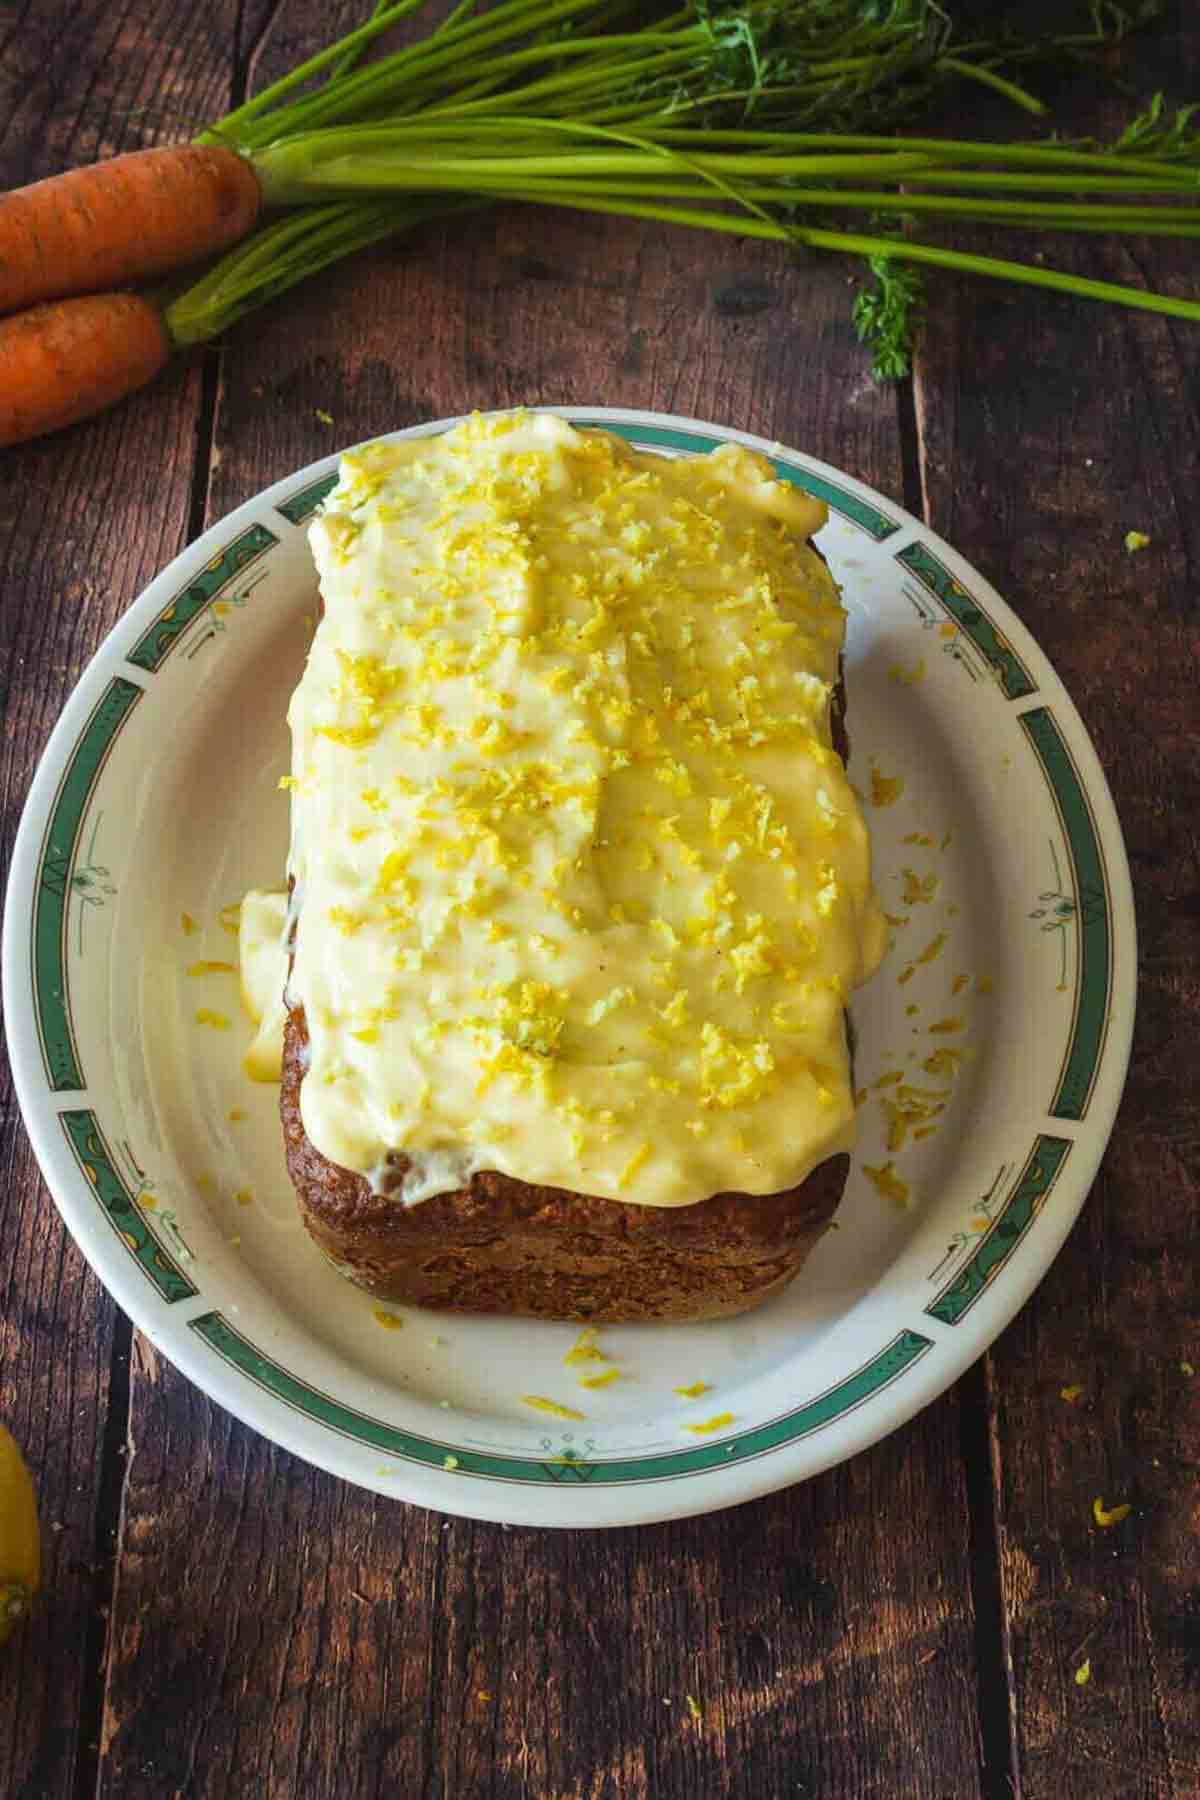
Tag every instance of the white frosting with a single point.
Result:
(262, 957)
(581, 886)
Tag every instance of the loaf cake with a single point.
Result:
(578, 884)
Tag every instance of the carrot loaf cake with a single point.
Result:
(579, 887)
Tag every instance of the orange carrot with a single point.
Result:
(121, 221)
(67, 359)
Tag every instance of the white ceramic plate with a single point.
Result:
(1001, 860)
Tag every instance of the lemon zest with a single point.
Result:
(718, 1422)
(584, 1349)
(885, 789)
(539, 1403)
(886, 1182)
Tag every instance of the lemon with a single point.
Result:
(20, 1541)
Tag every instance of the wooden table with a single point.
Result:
(220, 1619)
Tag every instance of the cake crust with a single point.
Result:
(502, 1246)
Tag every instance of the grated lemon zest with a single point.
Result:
(885, 789)
(539, 1403)
(585, 1349)
(886, 1182)
(716, 1423)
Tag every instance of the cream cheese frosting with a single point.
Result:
(580, 884)
(262, 959)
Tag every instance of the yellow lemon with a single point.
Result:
(20, 1541)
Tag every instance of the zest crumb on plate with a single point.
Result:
(918, 889)
(887, 1183)
(539, 1403)
(885, 789)
(716, 1423)
(584, 1349)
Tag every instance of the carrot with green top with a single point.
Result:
(125, 220)
(751, 117)
(64, 360)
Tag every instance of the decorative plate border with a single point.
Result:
(969, 616)
(98, 1165)
(1092, 903)
(1008, 1225)
(154, 646)
(57, 881)
(298, 507)
(905, 1349)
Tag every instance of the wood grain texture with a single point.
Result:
(86, 518)
(1050, 429)
(283, 1633)
(275, 1633)
(278, 1633)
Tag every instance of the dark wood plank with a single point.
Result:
(277, 1633)
(85, 519)
(1049, 430)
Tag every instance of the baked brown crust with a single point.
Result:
(499, 1245)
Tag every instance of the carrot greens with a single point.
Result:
(780, 119)
(811, 123)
